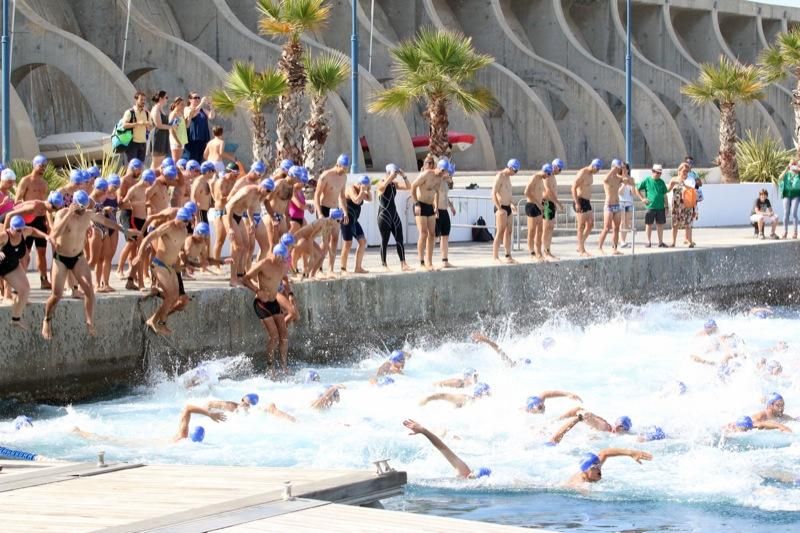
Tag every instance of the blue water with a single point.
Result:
(626, 363)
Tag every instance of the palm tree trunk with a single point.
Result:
(260, 138)
(796, 109)
(439, 124)
(727, 143)
(290, 105)
(316, 133)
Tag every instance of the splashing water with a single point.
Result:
(628, 364)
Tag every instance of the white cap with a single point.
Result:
(794, 167)
(658, 168)
(8, 175)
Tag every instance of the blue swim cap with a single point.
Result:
(135, 164)
(384, 380)
(654, 433)
(287, 239)
(100, 184)
(548, 342)
(681, 387)
(364, 180)
(547, 168)
(513, 164)
(76, 176)
(191, 206)
(81, 198)
(295, 171)
(343, 160)
(202, 229)
(534, 403)
(39, 160)
(280, 250)
(268, 185)
(311, 375)
(304, 176)
(17, 222)
(149, 176)
(745, 422)
(616, 163)
(287, 164)
(251, 398)
(524, 360)
(391, 168)
(56, 199)
(114, 180)
(167, 162)
(589, 460)
(710, 324)
(597, 163)
(774, 397)
(207, 166)
(481, 389)
(397, 357)
(470, 373)
(625, 422)
(93, 171)
(336, 214)
(181, 164)
(258, 167)
(451, 169)
(170, 172)
(761, 314)
(184, 215)
(197, 434)
(192, 165)
(443, 164)
(23, 421)
(558, 164)
(483, 472)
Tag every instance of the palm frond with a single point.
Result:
(474, 100)
(726, 82)
(222, 102)
(325, 72)
(291, 18)
(407, 58)
(269, 86)
(772, 65)
(789, 45)
(392, 100)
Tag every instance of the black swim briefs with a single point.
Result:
(583, 205)
(443, 223)
(425, 210)
(532, 210)
(266, 309)
(39, 223)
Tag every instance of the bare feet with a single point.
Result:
(447, 264)
(131, 285)
(44, 284)
(19, 324)
(584, 253)
(600, 249)
(77, 294)
(386, 268)
(47, 330)
(510, 260)
(616, 252)
(90, 329)
(497, 260)
(360, 270)
(158, 328)
(407, 268)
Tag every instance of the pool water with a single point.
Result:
(627, 363)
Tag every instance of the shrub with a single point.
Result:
(761, 159)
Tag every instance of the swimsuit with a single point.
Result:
(124, 218)
(352, 229)
(549, 210)
(583, 206)
(265, 310)
(237, 218)
(297, 214)
(325, 211)
(13, 253)
(532, 210)
(389, 223)
(39, 223)
(506, 208)
(219, 212)
(443, 223)
(613, 208)
(68, 262)
(425, 210)
(204, 215)
(158, 262)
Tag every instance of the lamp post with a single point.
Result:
(6, 87)
(354, 104)
(628, 112)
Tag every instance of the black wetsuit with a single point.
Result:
(389, 223)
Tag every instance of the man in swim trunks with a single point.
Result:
(54, 202)
(459, 400)
(425, 192)
(220, 190)
(462, 470)
(195, 248)
(550, 205)
(277, 206)
(773, 410)
(125, 213)
(264, 278)
(534, 193)
(215, 150)
(306, 247)
(328, 195)
(592, 464)
(444, 207)
(248, 400)
(502, 197)
(136, 198)
(34, 187)
(68, 236)
(157, 195)
(582, 201)
(612, 210)
(246, 201)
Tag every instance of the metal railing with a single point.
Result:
(564, 215)
(483, 208)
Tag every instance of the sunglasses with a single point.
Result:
(194, 98)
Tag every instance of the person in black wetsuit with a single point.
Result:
(355, 194)
(389, 223)
(12, 250)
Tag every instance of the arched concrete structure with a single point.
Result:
(522, 127)
(24, 144)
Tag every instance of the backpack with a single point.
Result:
(120, 137)
(480, 233)
(689, 197)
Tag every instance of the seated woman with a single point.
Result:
(763, 215)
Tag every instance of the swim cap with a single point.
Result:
(39, 160)
(17, 222)
(589, 460)
(149, 176)
(597, 163)
(181, 164)
(191, 206)
(625, 422)
(8, 175)
(343, 160)
(170, 172)
(534, 403)
(192, 165)
(558, 164)
(93, 172)
(23, 421)
(114, 180)
(336, 214)
(443, 164)
(745, 422)
(258, 167)
(167, 162)
(75, 176)
(56, 199)
(774, 397)
(251, 398)
(481, 389)
(135, 164)
(513, 164)
(81, 198)
(391, 168)
(483, 472)
(547, 168)
(207, 166)
(232, 167)
(710, 324)
(85, 176)
(295, 172)
(311, 375)
(280, 250)
(197, 434)
(524, 360)
(548, 342)
(654, 433)
(384, 380)
(304, 176)
(616, 163)
(202, 229)
(287, 239)
(397, 357)
(364, 180)
(681, 387)
(267, 185)
(470, 373)
(287, 164)
(184, 215)
(100, 184)
(451, 169)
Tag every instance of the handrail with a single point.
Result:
(477, 199)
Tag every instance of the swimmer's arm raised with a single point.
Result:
(559, 394)
(479, 337)
(572, 412)
(454, 460)
(456, 399)
(186, 417)
(636, 455)
(596, 422)
(221, 405)
(555, 439)
(771, 424)
(274, 411)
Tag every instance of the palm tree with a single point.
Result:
(252, 91)
(777, 62)
(289, 19)
(726, 84)
(438, 68)
(325, 73)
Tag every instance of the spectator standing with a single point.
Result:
(763, 214)
(655, 190)
(684, 204)
(626, 204)
(178, 137)
(197, 114)
(789, 189)
(163, 129)
(136, 119)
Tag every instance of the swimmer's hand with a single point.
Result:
(574, 397)
(413, 427)
(217, 416)
(477, 336)
(640, 456)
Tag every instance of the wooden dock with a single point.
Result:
(122, 498)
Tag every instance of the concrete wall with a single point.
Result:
(379, 308)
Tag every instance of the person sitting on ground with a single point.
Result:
(622, 424)
(480, 337)
(462, 470)
(763, 215)
(394, 365)
(248, 400)
(535, 404)
(591, 465)
(327, 398)
(460, 400)
(773, 410)
(470, 377)
(745, 424)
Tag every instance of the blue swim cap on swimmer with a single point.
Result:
(258, 167)
(397, 357)
(114, 181)
(170, 172)
(534, 403)
(100, 184)
(336, 214)
(39, 160)
(56, 199)
(597, 163)
(589, 460)
(745, 422)
(524, 361)
(548, 342)
(287, 164)
(93, 172)
(135, 164)
(197, 434)
(384, 380)
(558, 163)
(287, 239)
(681, 387)
(22, 421)
(774, 397)
(481, 389)
(167, 162)
(311, 375)
(295, 171)
(181, 164)
(470, 373)
(251, 398)
(654, 433)
(184, 215)
(452, 169)
(207, 166)
(85, 177)
(616, 163)
(391, 168)
(710, 324)
(191, 206)
(443, 164)
(364, 180)
(483, 472)
(761, 313)
(304, 177)
(514, 164)
(81, 198)
(17, 222)
(267, 185)
(547, 168)
(75, 176)
(343, 160)
(149, 176)
(192, 165)
(625, 422)
(202, 229)
(280, 250)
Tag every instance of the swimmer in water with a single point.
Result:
(327, 398)
(591, 465)
(462, 470)
(622, 424)
(460, 400)
(761, 312)
(394, 365)
(312, 376)
(745, 424)
(563, 430)
(477, 336)
(248, 400)
(535, 404)
(470, 377)
(773, 410)
(652, 433)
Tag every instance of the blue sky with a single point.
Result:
(790, 3)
